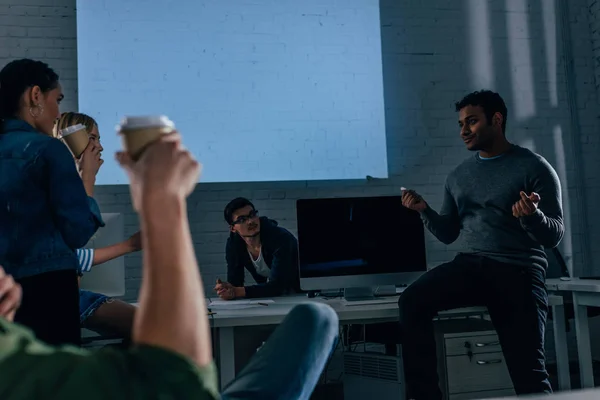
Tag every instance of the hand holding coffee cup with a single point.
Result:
(90, 161)
(165, 168)
(137, 133)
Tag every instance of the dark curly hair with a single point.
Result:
(19, 75)
(491, 102)
(233, 206)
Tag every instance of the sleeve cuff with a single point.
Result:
(250, 292)
(96, 211)
(426, 213)
(531, 220)
(263, 290)
(86, 259)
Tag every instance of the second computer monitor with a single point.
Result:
(358, 242)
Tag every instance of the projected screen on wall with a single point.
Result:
(260, 90)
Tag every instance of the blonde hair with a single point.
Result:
(72, 118)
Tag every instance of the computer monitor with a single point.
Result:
(358, 243)
(108, 278)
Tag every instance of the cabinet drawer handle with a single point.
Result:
(487, 344)
(486, 362)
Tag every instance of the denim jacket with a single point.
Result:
(45, 213)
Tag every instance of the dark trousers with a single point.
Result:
(517, 302)
(50, 307)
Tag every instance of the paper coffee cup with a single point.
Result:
(76, 138)
(137, 133)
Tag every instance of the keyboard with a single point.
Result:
(376, 300)
(590, 277)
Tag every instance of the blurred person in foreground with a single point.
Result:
(171, 356)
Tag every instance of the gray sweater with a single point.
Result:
(478, 199)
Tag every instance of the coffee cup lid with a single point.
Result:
(151, 121)
(71, 129)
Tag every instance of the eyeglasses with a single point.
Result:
(245, 218)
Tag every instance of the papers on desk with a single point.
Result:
(237, 304)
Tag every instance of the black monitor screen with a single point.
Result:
(356, 236)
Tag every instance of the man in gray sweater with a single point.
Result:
(505, 204)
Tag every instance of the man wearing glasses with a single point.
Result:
(257, 244)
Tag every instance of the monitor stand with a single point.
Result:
(368, 293)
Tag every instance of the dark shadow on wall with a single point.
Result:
(554, 144)
(423, 67)
(536, 130)
(427, 54)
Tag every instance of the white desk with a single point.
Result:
(586, 293)
(226, 320)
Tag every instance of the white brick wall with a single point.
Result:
(585, 18)
(428, 54)
(594, 7)
(44, 30)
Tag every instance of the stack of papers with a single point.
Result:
(237, 304)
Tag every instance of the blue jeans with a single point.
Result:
(289, 364)
(89, 303)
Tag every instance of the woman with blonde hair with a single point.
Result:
(69, 119)
(97, 311)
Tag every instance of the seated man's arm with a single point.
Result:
(284, 268)
(546, 224)
(445, 226)
(33, 370)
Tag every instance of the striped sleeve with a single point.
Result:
(86, 259)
